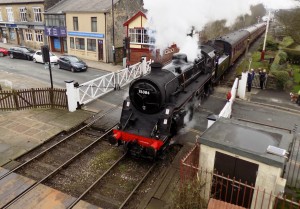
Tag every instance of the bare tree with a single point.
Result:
(218, 28)
(213, 29)
(290, 20)
(257, 12)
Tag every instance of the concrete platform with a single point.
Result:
(11, 186)
(20, 131)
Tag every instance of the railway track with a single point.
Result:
(81, 169)
(52, 159)
(115, 187)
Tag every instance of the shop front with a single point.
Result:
(87, 45)
(3, 33)
(21, 30)
(12, 34)
(57, 38)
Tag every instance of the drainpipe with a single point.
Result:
(106, 48)
(113, 32)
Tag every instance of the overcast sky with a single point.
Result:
(173, 19)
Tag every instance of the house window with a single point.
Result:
(75, 23)
(55, 20)
(138, 36)
(1, 15)
(23, 15)
(94, 24)
(91, 45)
(28, 35)
(37, 14)
(10, 14)
(39, 35)
(12, 34)
(80, 44)
(72, 43)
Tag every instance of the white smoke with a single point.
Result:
(173, 19)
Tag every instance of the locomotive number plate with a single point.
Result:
(141, 91)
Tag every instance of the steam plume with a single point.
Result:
(173, 19)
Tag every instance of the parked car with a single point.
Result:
(72, 63)
(21, 53)
(38, 57)
(3, 52)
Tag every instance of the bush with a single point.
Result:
(188, 196)
(289, 85)
(271, 45)
(293, 54)
(275, 67)
(283, 57)
(282, 77)
(287, 41)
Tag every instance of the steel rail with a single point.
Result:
(137, 186)
(103, 175)
(96, 182)
(67, 137)
(55, 171)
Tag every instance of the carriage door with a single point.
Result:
(100, 49)
(234, 168)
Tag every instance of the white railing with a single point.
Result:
(91, 90)
(227, 109)
(125, 76)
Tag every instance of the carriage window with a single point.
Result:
(209, 62)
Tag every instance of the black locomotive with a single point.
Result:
(160, 103)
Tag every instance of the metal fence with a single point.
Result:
(93, 89)
(230, 190)
(292, 170)
(33, 98)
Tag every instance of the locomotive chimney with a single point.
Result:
(156, 66)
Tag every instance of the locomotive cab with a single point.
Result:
(210, 58)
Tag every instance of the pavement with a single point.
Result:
(21, 131)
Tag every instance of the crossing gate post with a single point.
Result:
(144, 65)
(72, 96)
(242, 86)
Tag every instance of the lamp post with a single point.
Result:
(113, 32)
(262, 56)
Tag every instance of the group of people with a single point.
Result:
(250, 78)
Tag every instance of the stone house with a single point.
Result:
(93, 30)
(22, 22)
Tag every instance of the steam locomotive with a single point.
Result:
(160, 103)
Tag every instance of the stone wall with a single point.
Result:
(271, 82)
(123, 10)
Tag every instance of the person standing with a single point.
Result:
(262, 78)
(298, 99)
(250, 78)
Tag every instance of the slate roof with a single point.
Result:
(81, 6)
(19, 1)
(247, 139)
